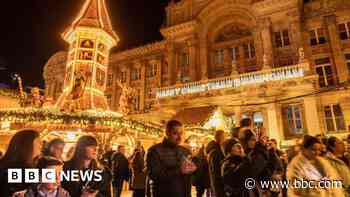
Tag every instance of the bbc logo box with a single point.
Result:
(31, 175)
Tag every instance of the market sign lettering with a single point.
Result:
(245, 79)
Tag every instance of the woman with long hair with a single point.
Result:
(23, 148)
(85, 158)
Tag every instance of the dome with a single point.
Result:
(55, 65)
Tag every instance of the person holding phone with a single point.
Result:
(168, 165)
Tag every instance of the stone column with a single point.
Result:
(237, 111)
(241, 61)
(265, 30)
(258, 48)
(295, 33)
(345, 106)
(143, 85)
(192, 56)
(114, 88)
(312, 120)
(339, 59)
(128, 75)
(204, 58)
(172, 63)
(273, 126)
(227, 59)
(159, 63)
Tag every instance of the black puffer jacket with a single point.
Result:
(215, 157)
(163, 167)
(201, 177)
(235, 170)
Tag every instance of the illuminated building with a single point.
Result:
(285, 64)
(90, 36)
(77, 81)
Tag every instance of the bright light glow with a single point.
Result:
(217, 121)
(234, 81)
(5, 125)
(71, 136)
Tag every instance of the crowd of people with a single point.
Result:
(219, 168)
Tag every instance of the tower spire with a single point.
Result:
(91, 37)
(93, 14)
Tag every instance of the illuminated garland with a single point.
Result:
(82, 119)
(9, 93)
(232, 82)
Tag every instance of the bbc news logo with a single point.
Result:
(50, 176)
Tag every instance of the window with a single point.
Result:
(334, 118)
(123, 76)
(317, 36)
(293, 119)
(184, 66)
(165, 68)
(150, 93)
(258, 119)
(344, 31)
(324, 71)
(219, 56)
(347, 58)
(110, 79)
(249, 50)
(109, 100)
(136, 74)
(184, 59)
(234, 54)
(137, 100)
(151, 70)
(281, 38)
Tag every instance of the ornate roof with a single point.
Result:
(93, 14)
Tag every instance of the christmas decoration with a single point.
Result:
(233, 81)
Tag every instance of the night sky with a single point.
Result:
(30, 31)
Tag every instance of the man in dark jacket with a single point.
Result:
(168, 166)
(215, 157)
(121, 170)
(200, 178)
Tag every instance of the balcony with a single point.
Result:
(234, 81)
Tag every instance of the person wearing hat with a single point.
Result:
(234, 169)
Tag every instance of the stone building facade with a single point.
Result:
(217, 41)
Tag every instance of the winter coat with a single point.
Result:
(341, 168)
(120, 167)
(301, 168)
(215, 157)
(163, 168)
(138, 172)
(235, 170)
(75, 188)
(201, 177)
(34, 193)
(8, 189)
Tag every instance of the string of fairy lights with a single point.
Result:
(86, 119)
